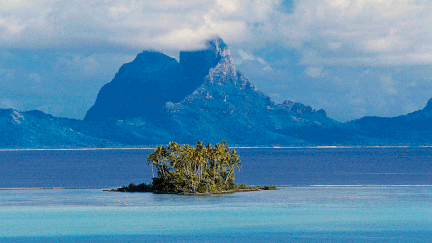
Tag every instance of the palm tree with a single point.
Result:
(199, 154)
(186, 156)
(219, 158)
(173, 154)
(188, 166)
(233, 162)
(157, 158)
(208, 155)
(151, 160)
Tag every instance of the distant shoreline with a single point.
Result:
(305, 186)
(272, 147)
(53, 188)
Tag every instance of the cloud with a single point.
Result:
(168, 24)
(352, 32)
(7, 104)
(6, 73)
(318, 51)
(86, 64)
(250, 57)
(315, 72)
(360, 32)
(387, 84)
(35, 78)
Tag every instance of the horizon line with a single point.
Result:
(233, 147)
(319, 186)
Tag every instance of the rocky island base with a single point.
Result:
(143, 187)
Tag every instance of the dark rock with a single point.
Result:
(155, 99)
(299, 108)
(203, 98)
(139, 89)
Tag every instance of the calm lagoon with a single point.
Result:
(301, 214)
(298, 212)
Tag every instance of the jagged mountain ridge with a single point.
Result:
(219, 102)
(154, 83)
(155, 99)
(35, 129)
(142, 87)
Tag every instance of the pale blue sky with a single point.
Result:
(352, 58)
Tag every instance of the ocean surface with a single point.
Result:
(260, 166)
(325, 195)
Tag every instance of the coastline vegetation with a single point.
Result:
(203, 169)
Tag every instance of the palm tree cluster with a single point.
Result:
(199, 169)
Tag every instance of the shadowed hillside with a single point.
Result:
(203, 97)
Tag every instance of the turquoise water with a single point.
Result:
(291, 214)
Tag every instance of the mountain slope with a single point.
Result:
(203, 97)
(412, 129)
(155, 99)
(142, 87)
(35, 129)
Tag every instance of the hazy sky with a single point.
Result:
(352, 58)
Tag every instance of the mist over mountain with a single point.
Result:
(156, 99)
(202, 97)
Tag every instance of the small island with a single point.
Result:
(203, 169)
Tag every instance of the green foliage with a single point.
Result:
(269, 188)
(243, 187)
(199, 169)
(207, 186)
(143, 187)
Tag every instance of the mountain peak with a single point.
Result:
(428, 106)
(198, 63)
(142, 87)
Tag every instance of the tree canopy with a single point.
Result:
(187, 169)
(184, 169)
